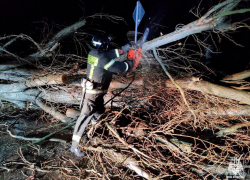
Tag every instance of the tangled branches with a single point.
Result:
(160, 139)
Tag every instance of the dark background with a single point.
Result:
(24, 15)
(36, 17)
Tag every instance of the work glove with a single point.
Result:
(133, 44)
(125, 48)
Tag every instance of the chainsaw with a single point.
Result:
(136, 53)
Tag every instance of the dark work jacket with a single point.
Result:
(101, 66)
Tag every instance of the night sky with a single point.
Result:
(30, 16)
(24, 15)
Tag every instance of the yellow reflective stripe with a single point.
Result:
(91, 72)
(76, 138)
(95, 91)
(117, 53)
(109, 64)
(93, 61)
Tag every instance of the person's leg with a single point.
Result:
(84, 125)
(100, 109)
(77, 136)
(81, 123)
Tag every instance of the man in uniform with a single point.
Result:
(100, 68)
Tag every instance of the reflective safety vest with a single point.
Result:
(101, 65)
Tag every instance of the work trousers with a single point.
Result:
(93, 103)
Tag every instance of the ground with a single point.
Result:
(48, 160)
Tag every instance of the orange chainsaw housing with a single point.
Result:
(135, 55)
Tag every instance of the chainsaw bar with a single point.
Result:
(144, 37)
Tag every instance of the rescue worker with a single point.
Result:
(100, 67)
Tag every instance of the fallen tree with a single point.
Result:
(160, 138)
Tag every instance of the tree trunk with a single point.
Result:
(238, 76)
(205, 23)
(214, 89)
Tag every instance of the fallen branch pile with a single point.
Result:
(161, 138)
(157, 128)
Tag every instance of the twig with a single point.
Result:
(32, 165)
(77, 168)
(172, 148)
(45, 137)
(42, 129)
(177, 85)
(33, 139)
(1, 167)
(233, 128)
(94, 171)
(131, 146)
(103, 167)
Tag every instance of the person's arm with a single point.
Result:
(117, 67)
(124, 49)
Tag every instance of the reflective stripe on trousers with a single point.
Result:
(93, 91)
(76, 138)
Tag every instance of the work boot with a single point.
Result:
(95, 118)
(77, 151)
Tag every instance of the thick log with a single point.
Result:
(13, 77)
(241, 87)
(28, 95)
(187, 30)
(47, 80)
(205, 23)
(61, 96)
(41, 81)
(238, 76)
(24, 71)
(214, 89)
(114, 85)
(53, 111)
(121, 85)
(19, 104)
(74, 97)
(72, 113)
(20, 74)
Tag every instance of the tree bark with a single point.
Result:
(45, 80)
(53, 111)
(238, 76)
(72, 113)
(240, 110)
(210, 88)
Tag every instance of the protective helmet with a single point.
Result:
(101, 41)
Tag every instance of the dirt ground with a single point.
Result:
(48, 160)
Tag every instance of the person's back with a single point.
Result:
(96, 71)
